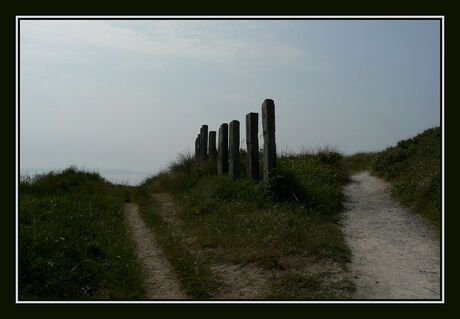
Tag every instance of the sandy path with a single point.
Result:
(395, 254)
(160, 279)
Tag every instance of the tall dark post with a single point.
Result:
(204, 142)
(268, 124)
(212, 146)
(234, 149)
(197, 147)
(252, 142)
(222, 156)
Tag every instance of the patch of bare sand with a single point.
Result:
(159, 277)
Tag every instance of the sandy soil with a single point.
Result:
(160, 279)
(395, 253)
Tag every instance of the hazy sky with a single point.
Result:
(133, 94)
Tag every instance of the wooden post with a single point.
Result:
(234, 149)
(197, 147)
(268, 124)
(222, 156)
(252, 142)
(204, 142)
(212, 146)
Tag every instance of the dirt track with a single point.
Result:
(395, 254)
(159, 277)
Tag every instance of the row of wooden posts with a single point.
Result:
(227, 153)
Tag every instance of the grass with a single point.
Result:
(73, 244)
(414, 168)
(359, 162)
(306, 286)
(244, 221)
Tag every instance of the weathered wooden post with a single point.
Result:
(212, 146)
(197, 147)
(268, 124)
(252, 142)
(198, 157)
(204, 142)
(222, 156)
(234, 149)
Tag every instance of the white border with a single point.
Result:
(16, 154)
(443, 232)
(226, 17)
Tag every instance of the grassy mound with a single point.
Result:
(73, 244)
(414, 167)
(244, 221)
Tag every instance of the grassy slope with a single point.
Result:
(243, 221)
(73, 244)
(414, 168)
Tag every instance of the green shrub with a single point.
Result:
(313, 179)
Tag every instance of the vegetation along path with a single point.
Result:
(239, 282)
(395, 254)
(160, 278)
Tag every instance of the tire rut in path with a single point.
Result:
(395, 253)
(159, 276)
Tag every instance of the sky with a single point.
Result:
(129, 95)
